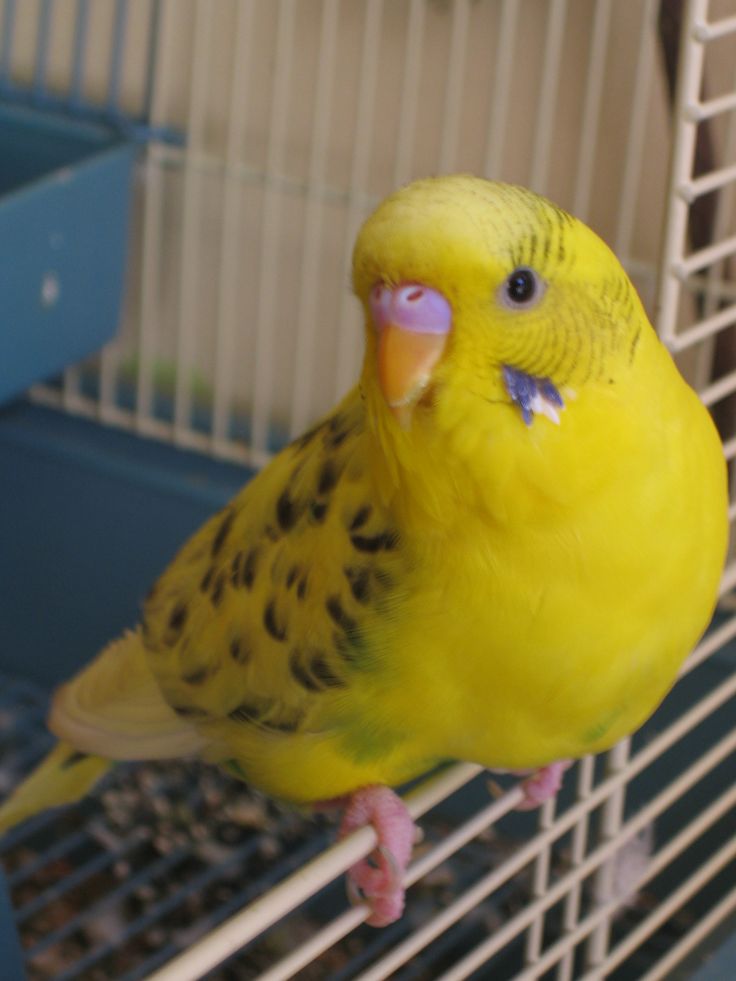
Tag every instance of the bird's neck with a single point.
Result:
(480, 462)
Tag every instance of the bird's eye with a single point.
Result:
(522, 289)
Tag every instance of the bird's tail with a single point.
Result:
(62, 777)
(113, 708)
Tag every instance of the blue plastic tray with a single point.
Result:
(64, 210)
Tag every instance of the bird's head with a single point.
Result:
(484, 298)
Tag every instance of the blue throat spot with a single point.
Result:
(527, 390)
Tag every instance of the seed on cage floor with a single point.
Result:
(182, 817)
(163, 844)
(213, 852)
(487, 835)
(106, 836)
(49, 963)
(155, 937)
(145, 892)
(116, 820)
(110, 798)
(161, 805)
(222, 893)
(183, 937)
(150, 780)
(228, 834)
(213, 797)
(442, 875)
(269, 847)
(106, 926)
(199, 831)
(488, 916)
(247, 813)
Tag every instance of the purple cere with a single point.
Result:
(412, 307)
(524, 389)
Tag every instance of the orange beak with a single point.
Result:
(413, 324)
(405, 363)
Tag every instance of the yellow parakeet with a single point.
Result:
(499, 547)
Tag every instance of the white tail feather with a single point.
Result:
(114, 708)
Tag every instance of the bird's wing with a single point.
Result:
(271, 612)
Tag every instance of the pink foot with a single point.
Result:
(377, 879)
(542, 785)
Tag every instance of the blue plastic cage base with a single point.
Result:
(64, 214)
(161, 853)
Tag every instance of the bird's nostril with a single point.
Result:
(415, 295)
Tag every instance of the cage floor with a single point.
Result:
(159, 854)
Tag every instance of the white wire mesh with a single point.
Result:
(239, 329)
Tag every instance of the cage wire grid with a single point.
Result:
(268, 132)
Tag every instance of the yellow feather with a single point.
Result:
(472, 587)
(63, 777)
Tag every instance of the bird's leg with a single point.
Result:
(377, 879)
(542, 785)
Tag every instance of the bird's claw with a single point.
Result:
(378, 879)
(542, 785)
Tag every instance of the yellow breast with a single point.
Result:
(557, 615)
